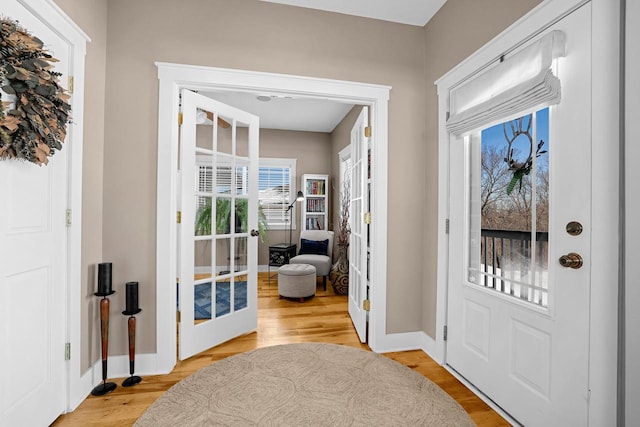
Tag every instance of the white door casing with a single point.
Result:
(211, 251)
(40, 268)
(602, 112)
(173, 77)
(358, 238)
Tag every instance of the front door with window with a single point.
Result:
(219, 223)
(518, 306)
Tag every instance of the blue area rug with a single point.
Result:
(202, 299)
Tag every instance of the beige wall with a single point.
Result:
(120, 186)
(458, 29)
(91, 16)
(313, 153)
(254, 35)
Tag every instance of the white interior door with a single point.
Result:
(518, 321)
(358, 240)
(33, 270)
(219, 216)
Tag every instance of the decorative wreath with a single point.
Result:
(35, 110)
(520, 169)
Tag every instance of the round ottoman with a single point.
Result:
(297, 281)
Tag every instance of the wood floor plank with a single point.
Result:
(323, 318)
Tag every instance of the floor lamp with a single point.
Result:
(299, 198)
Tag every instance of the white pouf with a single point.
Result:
(297, 281)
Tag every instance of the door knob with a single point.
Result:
(255, 233)
(571, 260)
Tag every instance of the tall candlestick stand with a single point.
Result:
(104, 290)
(131, 310)
(105, 387)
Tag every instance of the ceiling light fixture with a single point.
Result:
(263, 98)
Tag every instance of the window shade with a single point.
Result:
(521, 82)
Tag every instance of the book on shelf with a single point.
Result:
(315, 187)
(315, 224)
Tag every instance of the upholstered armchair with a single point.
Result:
(315, 248)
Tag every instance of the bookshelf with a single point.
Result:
(316, 201)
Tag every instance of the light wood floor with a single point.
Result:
(323, 318)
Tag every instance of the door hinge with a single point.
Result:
(367, 132)
(178, 316)
(445, 333)
(367, 218)
(446, 226)
(366, 305)
(179, 217)
(67, 219)
(67, 351)
(70, 84)
(447, 115)
(179, 118)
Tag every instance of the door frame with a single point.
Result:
(605, 131)
(173, 78)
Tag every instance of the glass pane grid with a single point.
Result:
(508, 217)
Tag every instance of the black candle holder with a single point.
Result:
(133, 379)
(105, 387)
(131, 310)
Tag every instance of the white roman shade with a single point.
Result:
(520, 83)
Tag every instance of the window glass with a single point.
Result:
(276, 184)
(509, 207)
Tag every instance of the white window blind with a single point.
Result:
(204, 184)
(520, 83)
(276, 184)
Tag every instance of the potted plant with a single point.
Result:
(223, 215)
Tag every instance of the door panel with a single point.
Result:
(219, 205)
(33, 269)
(518, 321)
(358, 240)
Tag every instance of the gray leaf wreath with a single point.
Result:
(35, 111)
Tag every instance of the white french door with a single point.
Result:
(518, 313)
(219, 219)
(358, 240)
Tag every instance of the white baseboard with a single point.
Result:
(404, 341)
(118, 367)
(82, 391)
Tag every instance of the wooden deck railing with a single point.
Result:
(510, 249)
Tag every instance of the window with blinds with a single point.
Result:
(276, 184)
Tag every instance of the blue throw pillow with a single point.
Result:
(313, 247)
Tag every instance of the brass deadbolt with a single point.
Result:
(574, 228)
(571, 260)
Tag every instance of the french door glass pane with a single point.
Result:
(508, 213)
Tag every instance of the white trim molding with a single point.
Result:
(174, 77)
(605, 135)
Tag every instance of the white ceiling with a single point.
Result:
(316, 115)
(411, 12)
(303, 114)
